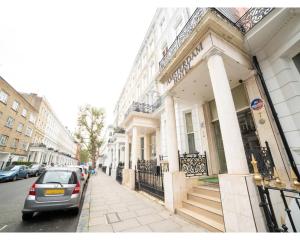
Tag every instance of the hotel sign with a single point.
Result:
(185, 66)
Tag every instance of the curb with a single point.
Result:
(83, 222)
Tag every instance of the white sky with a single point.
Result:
(73, 52)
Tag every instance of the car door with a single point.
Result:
(22, 171)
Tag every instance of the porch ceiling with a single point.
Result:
(196, 86)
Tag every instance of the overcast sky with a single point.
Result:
(75, 52)
(71, 52)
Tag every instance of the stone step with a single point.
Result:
(201, 220)
(204, 210)
(207, 190)
(204, 199)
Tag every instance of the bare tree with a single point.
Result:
(90, 124)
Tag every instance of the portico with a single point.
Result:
(215, 84)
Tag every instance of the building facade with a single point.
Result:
(17, 125)
(195, 105)
(52, 142)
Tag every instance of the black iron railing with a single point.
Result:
(252, 17)
(119, 175)
(271, 188)
(149, 178)
(143, 107)
(193, 164)
(244, 24)
(104, 169)
(264, 160)
(267, 205)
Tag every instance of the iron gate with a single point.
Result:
(119, 175)
(149, 178)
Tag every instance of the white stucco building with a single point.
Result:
(52, 143)
(195, 100)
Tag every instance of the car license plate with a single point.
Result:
(54, 191)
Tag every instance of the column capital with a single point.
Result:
(212, 52)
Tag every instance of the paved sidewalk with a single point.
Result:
(111, 207)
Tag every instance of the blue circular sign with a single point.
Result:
(257, 104)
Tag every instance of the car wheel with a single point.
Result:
(14, 178)
(75, 211)
(27, 216)
(37, 174)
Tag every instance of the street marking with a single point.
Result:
(3, 227)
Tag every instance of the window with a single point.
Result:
(190, 132)
(24, 146)
(177, 26)
(24, 112)
(32, 118)
(20, 127)
(164, 49)
(3, 140)
(15, 106)
(3, 96)
(15, 143)
(296, 60)
(28, 132)
(9, 122)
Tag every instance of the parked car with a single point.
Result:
(12, 173)
(36, 170)
(83, 171)
(55, 189)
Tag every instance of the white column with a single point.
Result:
(147, 147)
(126, 164)
(231, 135)
(134, 147)
(117, 154)
(171, 137)
(157, 144)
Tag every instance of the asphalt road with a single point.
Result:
(12, 196)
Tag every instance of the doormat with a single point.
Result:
(210, 180)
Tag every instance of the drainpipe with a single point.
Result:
(285, 143)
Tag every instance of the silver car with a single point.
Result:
(55, 189)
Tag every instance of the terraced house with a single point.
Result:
(210, 114)
(17, 119)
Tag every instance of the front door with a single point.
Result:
(249, 137)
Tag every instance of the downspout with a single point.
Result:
(285, 143)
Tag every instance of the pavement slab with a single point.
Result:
(112, 207)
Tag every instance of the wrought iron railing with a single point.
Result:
(119, 175)
(193, 164)
(286, 190)
(264, 160)
(104, 169)
(143, 107)
(182, 36)
(251, 18)
(149, 178)
(244, 24)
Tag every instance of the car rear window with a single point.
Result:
(63, 177)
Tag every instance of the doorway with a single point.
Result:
(248, 132)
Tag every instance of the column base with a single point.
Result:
(175, 189)
(129, 178)
(240, 203)
(113, 173)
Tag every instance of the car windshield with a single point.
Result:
(12, 168)
(63, 177)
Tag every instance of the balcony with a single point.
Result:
(252, 17)
(143, 107)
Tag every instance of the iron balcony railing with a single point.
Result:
(193, 164)
(143, 107)
(244, 24)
